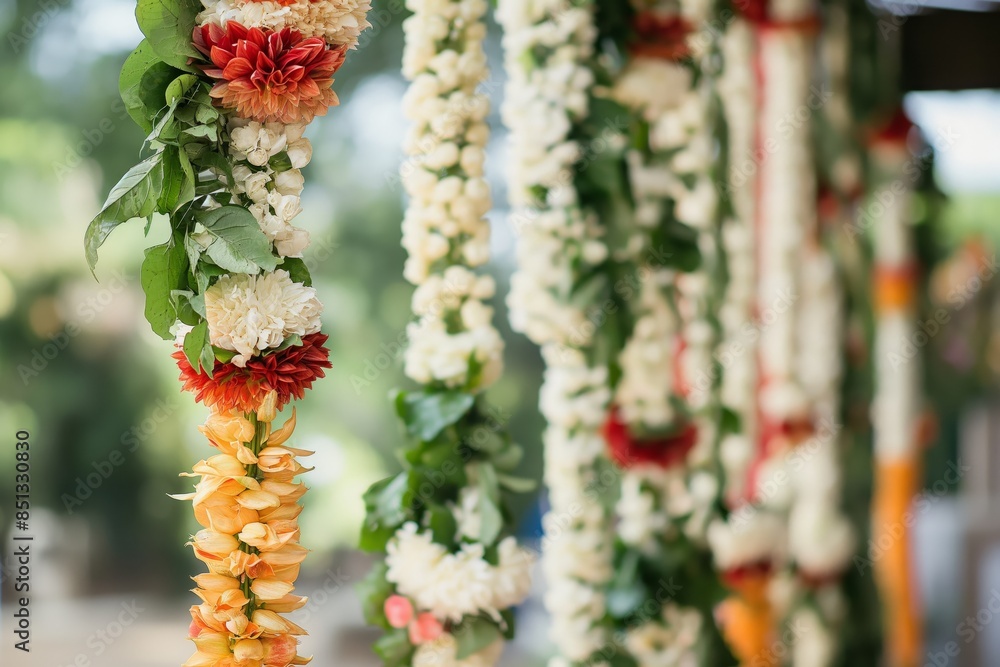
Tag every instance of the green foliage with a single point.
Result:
(143, 84)
(135, 196)
(237, 243)
(426, 413)
(394, 648)
(163, 271)
(168, 26)
(473, 634)
(373, 591)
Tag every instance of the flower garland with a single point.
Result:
(896, 405)
(452, 572)
(547, 51)
(775, 209)
(667, 395)
(225, 92)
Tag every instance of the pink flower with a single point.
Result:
(425, 628)
(398, 611)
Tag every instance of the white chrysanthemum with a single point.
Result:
(249, 314)
(435, 355)
(338, 22)
(453, 585)
(441, 653)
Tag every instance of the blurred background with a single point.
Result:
(110, 430)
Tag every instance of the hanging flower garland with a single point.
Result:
(663, 430)
(550, 112)
(896, 408)
(452, 571)
(751, 545)
(225, 92)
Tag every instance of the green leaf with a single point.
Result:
(394, 648)
(426, 414)
(163, 271)
(135, 196)
(194, 344)
(388, 506)
(490, 520)
(179, 87)
(729, 421)
(474, 634)
(168, 25)
(239, 246)
(442, 523)
(144, 80)
(298, 270)
(373, 591)
(517, 484)
(178, 184)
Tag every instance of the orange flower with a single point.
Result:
(287, 372)
(270, 76)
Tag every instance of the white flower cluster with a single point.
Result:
(668, 641)
(641, 508)
(577, 560)
(274, 197)
(647, 361)
(747, 538)
(897, 402)
(786, 212)
(453, 585)
(736, 313)
(547, 47)
(441, 652)
(250, 314)
(444, 229)
(338, 22)
(455, 329)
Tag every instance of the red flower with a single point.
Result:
(288, 372)
(628, 451)
(736, 577)
(661, 36)
(270, 76)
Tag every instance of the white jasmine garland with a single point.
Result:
(250, 314)
(547, 46)
(453, 585)
(444, 228)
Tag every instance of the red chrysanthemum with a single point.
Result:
(270, 76)
(288, 372)
(660, 36)
(628, 451)
(736, 577)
